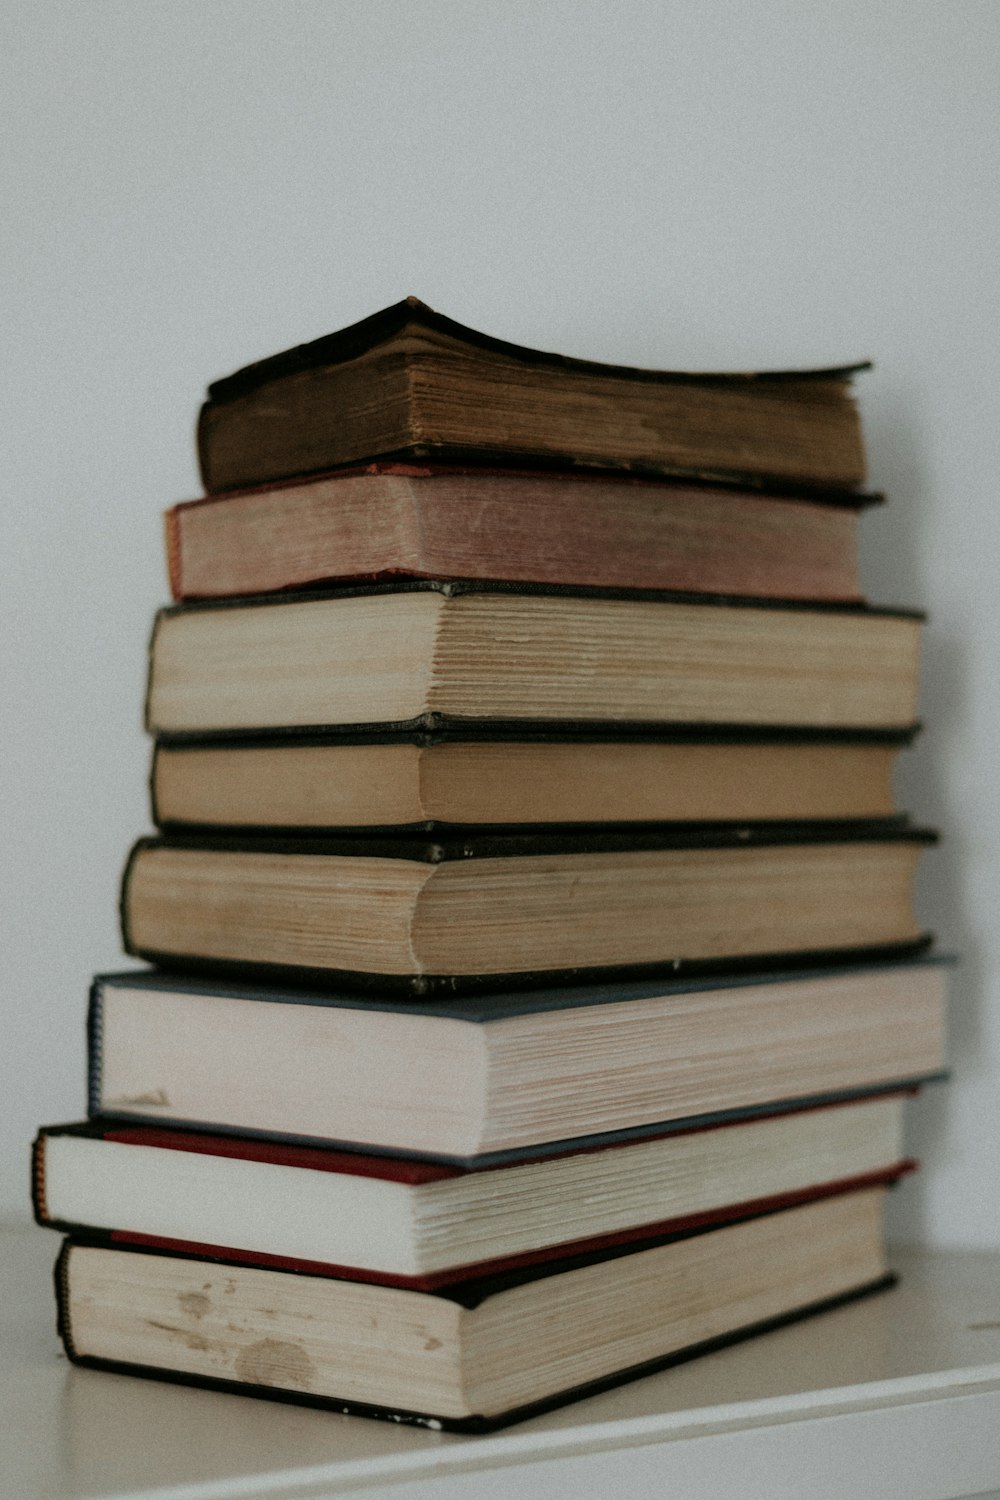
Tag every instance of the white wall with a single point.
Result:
(194, 184)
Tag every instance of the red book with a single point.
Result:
(408, 1222)
(608, 531)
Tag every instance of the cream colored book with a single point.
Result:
(474, 1079)
(412, 1222)
(428, 653)
(476, 1354)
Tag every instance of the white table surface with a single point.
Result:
(899, 1394)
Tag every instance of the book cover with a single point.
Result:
(351, 397)
(347, 343)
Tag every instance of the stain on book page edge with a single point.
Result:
(155, 1097)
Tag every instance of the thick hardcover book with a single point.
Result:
(477, 1354)
(428, 653)
(410, 1222)
(484, 1080)
(452, 779)
(419, 915)
(409, 383)
(614, 531)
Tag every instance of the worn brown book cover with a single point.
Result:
(410, 383)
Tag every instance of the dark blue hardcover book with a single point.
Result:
(483, 1079)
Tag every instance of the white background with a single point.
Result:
(190, 185)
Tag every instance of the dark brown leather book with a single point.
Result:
(409, 383)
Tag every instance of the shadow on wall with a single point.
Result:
(894, 571)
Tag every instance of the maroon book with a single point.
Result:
(407, 1222)
(390, 520)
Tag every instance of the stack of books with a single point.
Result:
(537, 984)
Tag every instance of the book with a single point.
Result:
(424, 915)
(424, 654)
(613, 531)
(447, 779)
(476, 1354)
(485, 1079)
(408, 382)
(411, 1222)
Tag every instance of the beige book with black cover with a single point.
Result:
(476, 1354)
(423, 654)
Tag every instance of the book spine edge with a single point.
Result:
(39, 1206)
(173, 552)
(154, 810)
(95, 1048)
(147, 714)
(203, 444)
(63, 1325)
